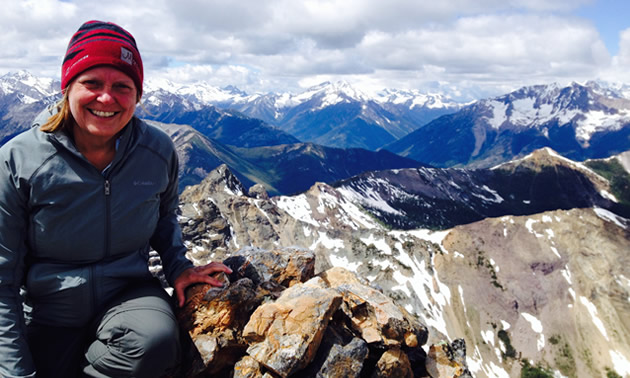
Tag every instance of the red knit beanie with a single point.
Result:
(99, 43)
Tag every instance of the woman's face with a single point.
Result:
(102, 101)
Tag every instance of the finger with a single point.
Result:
(181, 298)
(214, 267)
(212, 281)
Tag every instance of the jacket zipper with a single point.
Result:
(93, 288)
(108, 190)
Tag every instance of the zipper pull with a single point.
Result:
(107, 187)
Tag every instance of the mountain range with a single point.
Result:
(439, 198)
(330, 114)
(281, 168)
(545, 293)
(504, 222)
(577, 121)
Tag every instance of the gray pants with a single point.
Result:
(136, 336)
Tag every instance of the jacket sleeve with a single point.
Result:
(15, 356)
(167, 239)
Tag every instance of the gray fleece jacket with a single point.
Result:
(75, 236)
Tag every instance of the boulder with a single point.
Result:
(285, 335)
(374, 315)
(448, 360)
(273, 318)
(393, 363)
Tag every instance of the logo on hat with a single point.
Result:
(126, 55)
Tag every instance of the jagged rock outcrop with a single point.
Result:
(550, 288)
(275, 318)
(448, 360)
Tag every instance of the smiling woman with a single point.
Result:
(102, 101)
(76, 227)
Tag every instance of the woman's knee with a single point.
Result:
(138, 338)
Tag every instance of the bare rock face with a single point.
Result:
(272, 318)
(284, 267)
(340, 354)
(393, 363)
(373, 314)
(448, 360)
(284, 335)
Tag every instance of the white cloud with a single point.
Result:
(481, 47)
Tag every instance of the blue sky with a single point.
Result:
(465, 48)
(610, 17)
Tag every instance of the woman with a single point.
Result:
(83, 198)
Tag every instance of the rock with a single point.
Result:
(247, 367)
(447, 360)
(373, 314)
(284, 335)
(214, 317)
(267, 322)
(258, 191)
(282, 267)
(339, 355)
(393, 363)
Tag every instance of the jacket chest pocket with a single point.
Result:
(133, 221)
(68, 227)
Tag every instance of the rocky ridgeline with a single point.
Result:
(550, 289)
(274, 318)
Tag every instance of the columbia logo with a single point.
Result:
(126, 55)
(143, 183)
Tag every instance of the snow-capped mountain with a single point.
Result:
(27, 88)
(22, 97)
(439, 198)
(225, 125)
(543, 292)
(331, 114)
(578, 121)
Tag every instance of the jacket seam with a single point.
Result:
(154, 151)
(40, 167)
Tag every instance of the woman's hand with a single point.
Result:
(198, 274)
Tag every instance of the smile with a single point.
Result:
(99, 113)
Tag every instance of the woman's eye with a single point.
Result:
(121, 87)
(90, 83)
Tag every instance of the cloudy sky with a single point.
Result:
(466, 48)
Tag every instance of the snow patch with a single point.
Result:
(608, 196)
(566, 274)
(328, 243)
(620, 363)
(426, 286)
(555, 252)
(343, 262)
(380, 244)
(610, 217)
(298, 208)
(495, 197)
(533, 321)
(596, 320)
(499, 116)
(529, 224)
(488, 336)
(536, 327)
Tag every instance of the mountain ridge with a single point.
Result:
(577, 121)
(499, 283)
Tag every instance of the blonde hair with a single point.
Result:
(63, 116)
(59, 119)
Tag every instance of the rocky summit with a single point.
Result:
(545, 293)
(274, 318)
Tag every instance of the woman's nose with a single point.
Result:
(105, 96)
